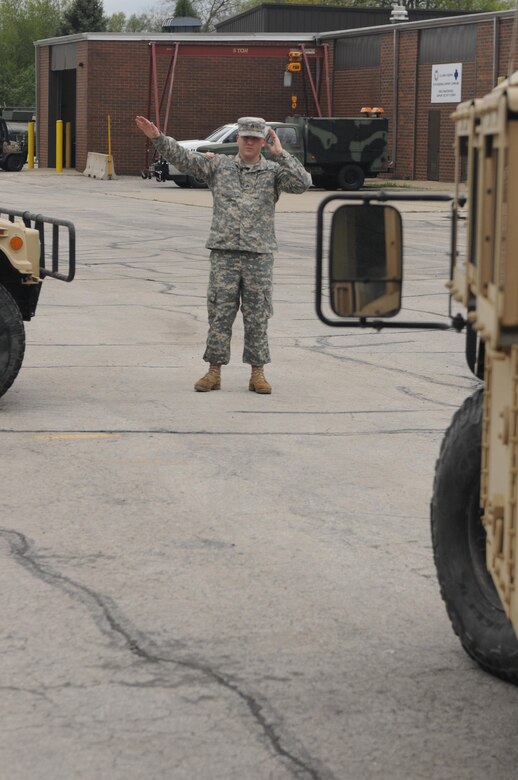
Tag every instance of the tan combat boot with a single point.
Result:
(258, 381)
(211, 380)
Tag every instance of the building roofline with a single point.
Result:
(320, 8)
(440, 21)
(173, 37)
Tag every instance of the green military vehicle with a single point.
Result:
(338, 152)
(13, 148)
(474, 508)
(23, 248)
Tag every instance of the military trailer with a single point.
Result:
(24, 242)
(474, 507)
(343, 151)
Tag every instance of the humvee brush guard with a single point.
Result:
(23, 244)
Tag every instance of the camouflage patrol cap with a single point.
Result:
(251, 125)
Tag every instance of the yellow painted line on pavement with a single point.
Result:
(75, 436)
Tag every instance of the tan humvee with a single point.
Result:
(22, 270)
(474, 510)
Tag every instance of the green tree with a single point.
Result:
(146, 22)
(21, 23)
(116, 22)
(184, 8)
(84, 16)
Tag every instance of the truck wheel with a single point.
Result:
(351, 177)
(197, 184)
(459, 542)
(12, 340)
(14, 162)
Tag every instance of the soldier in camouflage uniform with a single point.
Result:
(245, 190)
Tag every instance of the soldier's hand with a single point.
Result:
(148, 128)
(276, 146)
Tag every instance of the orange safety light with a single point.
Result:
(378, 110)
(16, 242)
(294, 65)
(365, 110)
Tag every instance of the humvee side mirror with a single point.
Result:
(360, 270)
(365, 261)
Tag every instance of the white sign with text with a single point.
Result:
(447, 83)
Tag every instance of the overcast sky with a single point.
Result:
(128, 6)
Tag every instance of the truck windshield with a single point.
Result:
(219, 133)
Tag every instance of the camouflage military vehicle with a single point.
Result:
(342, 151)
(23, 245)
(13, 150)
(474, 508)
(338, 152)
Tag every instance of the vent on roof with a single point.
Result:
(399, 13)
(181, 24)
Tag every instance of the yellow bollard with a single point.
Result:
(59, 146)
(110, 163)
(30, 144)
(68, 145)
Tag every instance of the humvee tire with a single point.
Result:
(196, 184)
(459, 540)
(14, 162)
(12, 340)
(351, 177)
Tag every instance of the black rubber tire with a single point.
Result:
(197, 184)
(12, 340)
(182, 184)
(14, 162)
(459, 540)
(351, 177)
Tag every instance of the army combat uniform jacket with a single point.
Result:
(244, 195)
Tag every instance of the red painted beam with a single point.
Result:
(204, 50)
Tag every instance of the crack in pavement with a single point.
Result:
(115, 625)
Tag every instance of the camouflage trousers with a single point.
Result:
(239, 278)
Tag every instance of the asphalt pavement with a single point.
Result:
(228, 586)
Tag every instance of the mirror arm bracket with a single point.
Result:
(459, 322)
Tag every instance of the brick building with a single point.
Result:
(218, 77)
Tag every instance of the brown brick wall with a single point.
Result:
(212, 90)
(447, 133)
(505, 28)
(42, 110)
(81, 123)
(403, 155)
(354, 89)
(207, 92)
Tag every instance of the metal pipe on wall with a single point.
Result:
(495, 51)
(395, 79)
